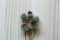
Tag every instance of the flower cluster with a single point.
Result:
(29, 21)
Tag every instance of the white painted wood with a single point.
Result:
(47, 10)
(14, 10)
(55, 13)
(59, 22)
(2, 20)
(54, 19)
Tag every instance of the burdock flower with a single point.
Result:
(36, 19)
(29, 12)
(33, 22)
(30, 15)
(23, 16)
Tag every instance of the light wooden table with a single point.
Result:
(47, 10)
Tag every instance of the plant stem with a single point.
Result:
(25, 36)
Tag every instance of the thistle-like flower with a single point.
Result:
(30, 15)
(23, 16)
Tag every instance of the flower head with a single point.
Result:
(29, 12)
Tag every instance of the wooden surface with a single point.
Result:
(47, 10)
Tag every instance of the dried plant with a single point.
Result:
(30, 24)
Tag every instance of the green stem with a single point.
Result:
(25, 36)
